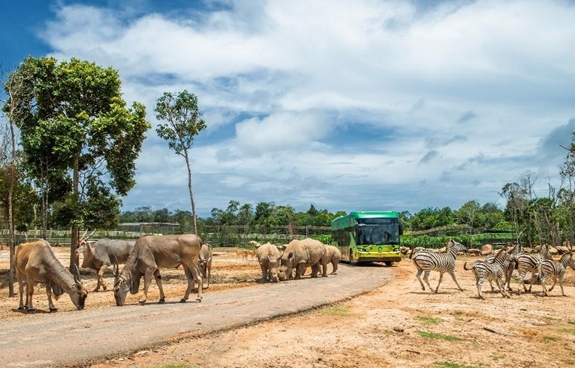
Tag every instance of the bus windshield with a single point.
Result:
(377, 231)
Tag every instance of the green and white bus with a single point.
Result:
(368, 236)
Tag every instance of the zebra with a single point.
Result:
(556, 270)
(442, 262)
(530, 263)
(492, 270)
(508, 265)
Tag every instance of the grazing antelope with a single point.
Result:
(205, 262)
(36, 263)
(99, 255)
(152, 252)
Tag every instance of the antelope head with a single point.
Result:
(80, 293)
(121, 286)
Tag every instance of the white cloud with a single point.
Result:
(470, 90)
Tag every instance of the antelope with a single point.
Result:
(205, 262)
(98, 256)
(149, 254)
(36, 263)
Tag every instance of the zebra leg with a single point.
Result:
(426, 278)
(452, 273)
(533, 275)
(520, 280)
(508, 275)
(543, 286)
(438, 283)
(561, 284)
(419, 272)
(554, 282)
(479, 284)
(491, 284)
(502, 287)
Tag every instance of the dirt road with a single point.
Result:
(92, 335)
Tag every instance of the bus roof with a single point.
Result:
(343, 222)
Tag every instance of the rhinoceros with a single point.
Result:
(268, 257)
(300, 254)
(333, 256)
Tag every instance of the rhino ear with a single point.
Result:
(290, 255)
(281, 247)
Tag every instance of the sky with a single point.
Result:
(346, 105)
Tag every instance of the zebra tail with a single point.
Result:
(411, 254)
(465, 267)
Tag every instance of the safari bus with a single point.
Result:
(368, 236)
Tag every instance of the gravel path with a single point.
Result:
(82, 337)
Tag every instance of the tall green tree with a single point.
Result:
(184, 122)
(76, 126)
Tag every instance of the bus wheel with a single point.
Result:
(389, 263)
(352, 260)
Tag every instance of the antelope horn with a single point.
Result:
(77, 274)
(82, 237)
(116, 268)
(85, 238)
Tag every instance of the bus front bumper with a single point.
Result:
(378, 257)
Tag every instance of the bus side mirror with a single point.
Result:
(400, 228)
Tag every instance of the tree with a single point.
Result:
(17, 90)
(566, 196)
(467, 214)
(77, 129)
(184, 122)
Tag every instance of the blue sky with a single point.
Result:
(346, 105)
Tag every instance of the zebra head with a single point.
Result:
(455, 247)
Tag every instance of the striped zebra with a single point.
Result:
(556, 270)
(426, 262)
(508, 265)
(492, 271)
(530, 263)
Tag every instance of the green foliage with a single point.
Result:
(432, 335)
(429, 320)
(184, 120)
(72, 119)
(337, 310)
(469, 240)
(453, 365)
(324, 238)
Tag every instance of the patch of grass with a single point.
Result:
(452, 365)
(549, 338)
(432, 335)
(337, 310)
(569, 331)
(457, 313)
(240, 279)
(496, 357)
(571, 322)
(428, 320)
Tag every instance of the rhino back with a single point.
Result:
(315, 250)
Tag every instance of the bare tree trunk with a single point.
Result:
(74, 231)
(194, 217)
(44, 212)
(11, 213)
